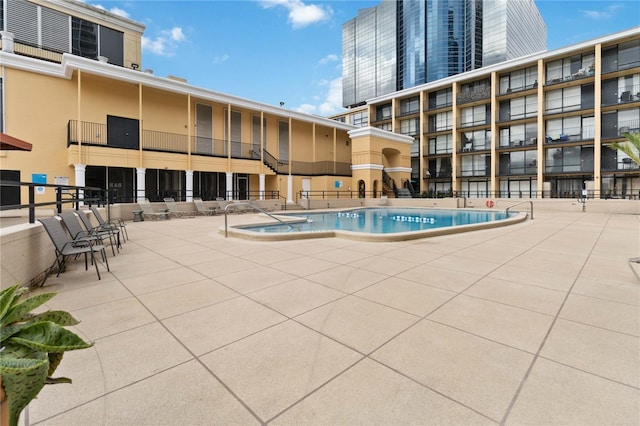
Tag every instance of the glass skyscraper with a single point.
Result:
(404, 43)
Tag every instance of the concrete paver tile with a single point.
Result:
(209, 328)
(372, 394)
(184, 298)
(347, 278)
(84, 297)
(509, 325)
(524, 296)
(292, 362)
(554, 394)
(255, 278)
(203, 399)
(602, 313)
(405, 295)
(553, 280)
(480, 374)
(111, 318)
(357, 323)
(628, 293)
(160, 280)
(441, 277)
(296, 297)
(303, 266)
(602, 352)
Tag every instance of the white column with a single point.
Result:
(262, 186)
(189, 184)
(289, 189)
(7, 41)
(140, 176)
(229, 186)
(80, 179)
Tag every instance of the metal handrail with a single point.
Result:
(522, 202)
(253, 206)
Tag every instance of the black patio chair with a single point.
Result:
(115, 223)
(115, 232)
(72, 223)
(66, 248)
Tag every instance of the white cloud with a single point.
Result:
(608, 13)
(114, 10)
(300, 14)
(327, 59)
(220, 59)
(119, 12)
(164, 44)
(331, 104)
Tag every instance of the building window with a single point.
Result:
(441, 98)
(519, 80)
(441, 144)
(569, 159)
(475, 165)
(563, 100)
(385, 126)
(410, 106)
(383, 112)
(441, 122)
(576, 66)
(283, 142)
(475, 116)
(569, 129)
(474, 141)
(519, 162)
(360, 119)
(410, 127)
(519, 135)
(518, 108)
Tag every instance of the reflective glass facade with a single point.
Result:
(402, 44)
(369, 54)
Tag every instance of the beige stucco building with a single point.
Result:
(96, 118)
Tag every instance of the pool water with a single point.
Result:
(382, 220)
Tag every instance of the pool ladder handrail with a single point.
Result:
(521, 202)
(253, 206)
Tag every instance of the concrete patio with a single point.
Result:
(536, 323)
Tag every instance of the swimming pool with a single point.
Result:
(386, 224)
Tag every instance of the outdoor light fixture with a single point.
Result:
(281, 103)
(135, 66)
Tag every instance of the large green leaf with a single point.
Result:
(22, 309)
(22, 379)
(54, 360)
(10, 330)
(59, 317)
(6, 301)
(47, 336)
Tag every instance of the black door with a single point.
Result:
(10, 195)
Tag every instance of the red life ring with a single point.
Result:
(489, 203)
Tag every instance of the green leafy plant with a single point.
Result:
(31, 347)
(631, 146)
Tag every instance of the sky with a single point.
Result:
(290, 51)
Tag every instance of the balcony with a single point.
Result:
(473, 95)
(570, 134)
(96, 134)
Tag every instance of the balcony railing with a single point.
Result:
(571, 134)
(569, 103)
(627, 126)
(153, 140)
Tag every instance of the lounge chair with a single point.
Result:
(203, 209)
(149, 212)
(72, 223)
(66, 248)
(117, 223)
(175, 211)
(113, 232)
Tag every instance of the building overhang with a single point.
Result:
(9, 143)
(379, 133)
